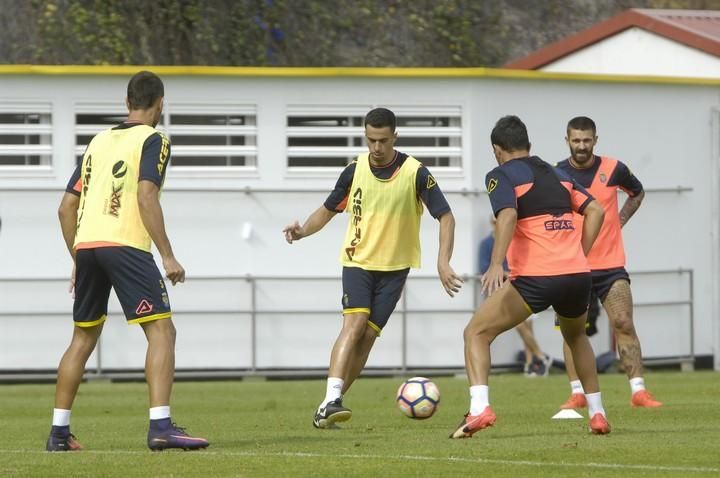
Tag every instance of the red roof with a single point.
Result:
(698, 29)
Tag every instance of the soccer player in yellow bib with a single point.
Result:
(109, 215)
(383, 191)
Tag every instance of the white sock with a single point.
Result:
(479, 399)
(158, 413)
(61, 418)
(333, 390)
(595, 405)
(637, 384)
(576, 387)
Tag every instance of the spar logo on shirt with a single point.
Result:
(559, 225)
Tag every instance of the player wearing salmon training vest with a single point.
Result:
(545, 247)
(603, 176)
(109, 215)
(383, 191)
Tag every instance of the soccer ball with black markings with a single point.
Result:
(418, 398)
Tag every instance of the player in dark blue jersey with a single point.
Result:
(534, 205)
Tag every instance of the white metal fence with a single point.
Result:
(410, 325)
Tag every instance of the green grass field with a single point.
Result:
(263, 428)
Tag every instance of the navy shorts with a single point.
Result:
(134, 276)
(603, 279)
(568, 294)
(374, 292)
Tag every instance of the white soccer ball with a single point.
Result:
(418, 397)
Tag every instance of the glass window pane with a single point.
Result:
(25, 137)
(315, 139)
(190, 133)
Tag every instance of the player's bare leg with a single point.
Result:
(347, 352)
(160, 360)
(163, 433)
(345, 348)
(359, 358)
(72, 365)
(577, 393)
(581, 351)
(618, 305)
(619, 308)
(69, 375)
(569, 362)
(501, 311)
(573, 330)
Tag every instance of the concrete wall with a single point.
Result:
(664, 132)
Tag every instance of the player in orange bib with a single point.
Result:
(545, 245)
(602, 177)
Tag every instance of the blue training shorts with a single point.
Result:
(568, 294)
(603, 280)
(373, 292)
(134, 276)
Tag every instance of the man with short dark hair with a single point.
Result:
(534, 205)
(383, 191)
(602, 176)
(109, 215)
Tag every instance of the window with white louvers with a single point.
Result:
(332, 136)
(204, 137)
(25, 134)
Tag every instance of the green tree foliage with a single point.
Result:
(374, 33)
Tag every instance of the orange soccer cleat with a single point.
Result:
(599, 425)
(643, 398)
(576, 400)
(472, 423)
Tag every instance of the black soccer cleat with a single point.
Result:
(331, 413)
(173, 436)
(61, 439)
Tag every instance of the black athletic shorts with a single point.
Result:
(373, 292)
(568, 294)
(603, 279)
(134, 276)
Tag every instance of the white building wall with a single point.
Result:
(663, 132)
(638, 52)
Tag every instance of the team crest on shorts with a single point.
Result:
(345, 300)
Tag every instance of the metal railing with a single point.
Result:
(403, 310)
(687, 363)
